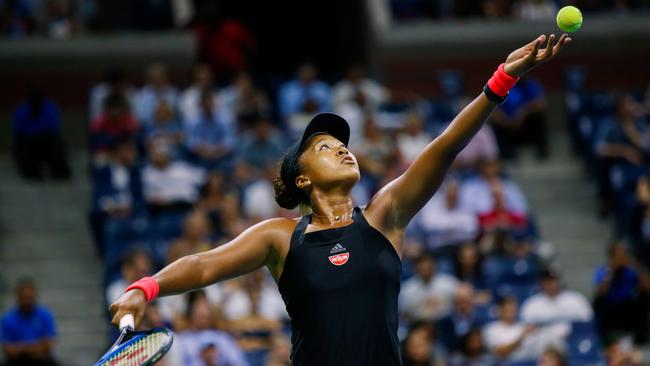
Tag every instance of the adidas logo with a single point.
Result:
(337, 248)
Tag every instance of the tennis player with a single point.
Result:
(338, 269)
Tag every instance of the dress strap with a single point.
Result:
(299, 232)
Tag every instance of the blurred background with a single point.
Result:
(137, 132)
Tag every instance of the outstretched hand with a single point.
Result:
(530, 56)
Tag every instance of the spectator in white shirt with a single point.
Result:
(427, 295)
(269, 305)
(414, 139)
(555, 304)
(190, 99)
(517, 341)
(166, 182)
(115, 81)
(443, 221)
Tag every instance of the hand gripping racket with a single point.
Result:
(137, 348)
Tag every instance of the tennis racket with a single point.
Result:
(137, 348)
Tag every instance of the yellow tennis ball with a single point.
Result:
(569, 19)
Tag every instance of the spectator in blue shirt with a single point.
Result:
(259, 149)
(621, 303)
(304, 96)
(157, 89)
(28, 329)
(522, 119)
(37, 138)
(212, 137)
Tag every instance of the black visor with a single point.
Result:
(329, 123)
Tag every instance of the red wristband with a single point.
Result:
(148, 285)
(500, 82)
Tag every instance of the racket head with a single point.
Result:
(138, 348)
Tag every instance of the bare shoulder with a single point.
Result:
(380, 214)
(277, 230)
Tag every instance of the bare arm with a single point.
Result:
(249, 251)
(406, 195)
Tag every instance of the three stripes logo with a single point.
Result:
(338, 258)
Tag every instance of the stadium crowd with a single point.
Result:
(530, 10)
(178, 171)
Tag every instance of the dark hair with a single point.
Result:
(115, 100)
(25, 282)
(287, 194)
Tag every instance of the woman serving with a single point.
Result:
(338, 269)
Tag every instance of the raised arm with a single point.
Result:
(249, 251)
(408, 193)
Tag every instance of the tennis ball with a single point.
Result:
(569, 19)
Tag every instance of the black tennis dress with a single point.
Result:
(340, 287)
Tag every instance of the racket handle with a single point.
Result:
(127, 321)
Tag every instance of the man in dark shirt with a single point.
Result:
(28, 330)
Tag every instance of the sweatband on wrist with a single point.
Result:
(500, 82)
(148, 285)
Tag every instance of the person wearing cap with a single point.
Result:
(338, 267)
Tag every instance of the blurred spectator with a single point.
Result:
(618, 146)
(522, 118)
(115, 123)
(257, 297)
(244, 100)
(280, 351)
(377, 155)
(117, 195)
(222, 205)
(463, 318)
(156, 89)
(472, 352)
(621, 352)
(28, 329)
(169, 184)
(166, 130)
(224, 44)
(356, 97)
(190, 100)
(37, 139)
(301, 98)
(115, 82)
(202, 342)
(418, 348)
(483, 146)
(621, 303)
(135, 265)
(552, 357)
(510, 339)
(555, 304)
(355, 82)
(260, 148)
(468, 267)
(476, 193)
(640, 223)
(427, 295)
(535, 9)
(211, 139)
(412, 141)
(194, 239)
(259, 203)
(443, 221)
(501, 218)
(496, 8)
(518, 270)
(255, 312)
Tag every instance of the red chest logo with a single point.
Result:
(339, 259)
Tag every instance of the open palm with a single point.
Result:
(530, 56)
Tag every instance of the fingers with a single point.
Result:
(533, 54)
(564, 39)
(537, 41)
(548, 51)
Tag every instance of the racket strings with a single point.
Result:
(139, 351)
